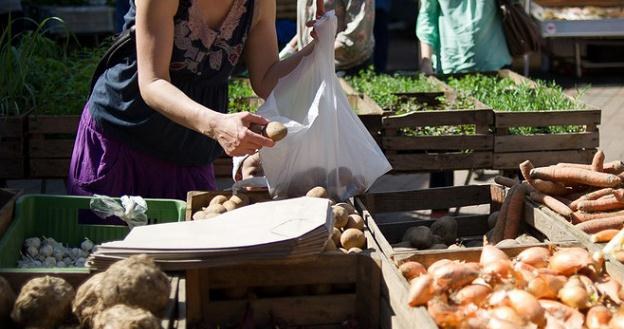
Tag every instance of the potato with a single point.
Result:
(330, 245)
(352, 238)
(473, 243)
(438, 246)
(336, 236)
(219, 199)
(43, 302)
(446, 228)
(87, 302)
(354, 250)
(349, 208)
(527, 239)
(340, 177)
(275, 131)
(507, 243)
(229, 205)
(7, 298)
(199, 215)
(341, 217)
(136, 281)
(215, 208)
(419, 237)
(355, 221)
(318, 192)
(241, 199)
(436, 239)
(123, 316)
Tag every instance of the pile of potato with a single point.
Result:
(539, 288)
(47, 252)
(348, 231)
(221, 204)
(130, 294)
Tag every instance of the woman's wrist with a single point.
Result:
(207, 122)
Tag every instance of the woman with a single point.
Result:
(156, 121)
(459, 36)
(354, 42)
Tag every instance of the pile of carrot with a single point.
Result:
(590, 196)
(539, 288)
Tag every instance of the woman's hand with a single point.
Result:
(252, 167)
(233, 133)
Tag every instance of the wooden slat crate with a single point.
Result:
(440, 152)
(170, 315)
(13, 146)
(324, 291)
(395, 311)
(50, 143)
(389, 214)
(543, 149)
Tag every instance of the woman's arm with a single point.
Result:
(427, 32)
(261, 55)
(154, 34)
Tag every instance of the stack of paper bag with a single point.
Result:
(262, 231)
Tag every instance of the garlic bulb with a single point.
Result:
(32, 251)
(49, 262)
(32, 242)
(46, 250)
(86, 245)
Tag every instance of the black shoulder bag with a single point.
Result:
(123, 46)
(521, 33)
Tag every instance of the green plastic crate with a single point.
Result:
(56, 216)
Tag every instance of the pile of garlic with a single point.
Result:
(47, 252)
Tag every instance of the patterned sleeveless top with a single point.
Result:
(201, 63)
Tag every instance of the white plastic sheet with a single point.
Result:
(327, 145)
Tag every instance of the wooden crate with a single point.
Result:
(50, 143)
(323, 290)
(395, 312)
(543, 149)
(7, 204)
(13, 146)
(388, 215)
(442, 152)
(171, 314)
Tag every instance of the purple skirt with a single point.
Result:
(104, 165)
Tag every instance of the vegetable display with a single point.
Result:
(503, 94)
(134, 290)
(539, 288)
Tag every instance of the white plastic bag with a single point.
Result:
(130, 209)
(327, 144)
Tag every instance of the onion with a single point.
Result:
(420, 290)
(411, 270)
(491, 253)
(455, 275)
(498, 269)
(474, 293)
(535, 256)
(527, 306)
(546, 285)
(439, 263)
(610, 288)
(617, 321)
(572, 318)
(574, 294)
(568, 261)
(507, 314)
(598, 317)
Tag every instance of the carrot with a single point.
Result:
(576, 176)
(591, 196)
(580, 216)
(603, 204)
(619, 194)
(563, 200)
(604, 235)
(601, 224)
(552, 203)
(515, 213)
(499, 228)
(544, 186)
(612, 167)
(505, 181)
(598, 161)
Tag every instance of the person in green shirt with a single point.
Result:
(458, 36)
(461, 36)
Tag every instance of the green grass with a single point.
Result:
(382, 88)
(239, 93)
(503, 94)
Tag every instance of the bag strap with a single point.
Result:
(123, 45)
